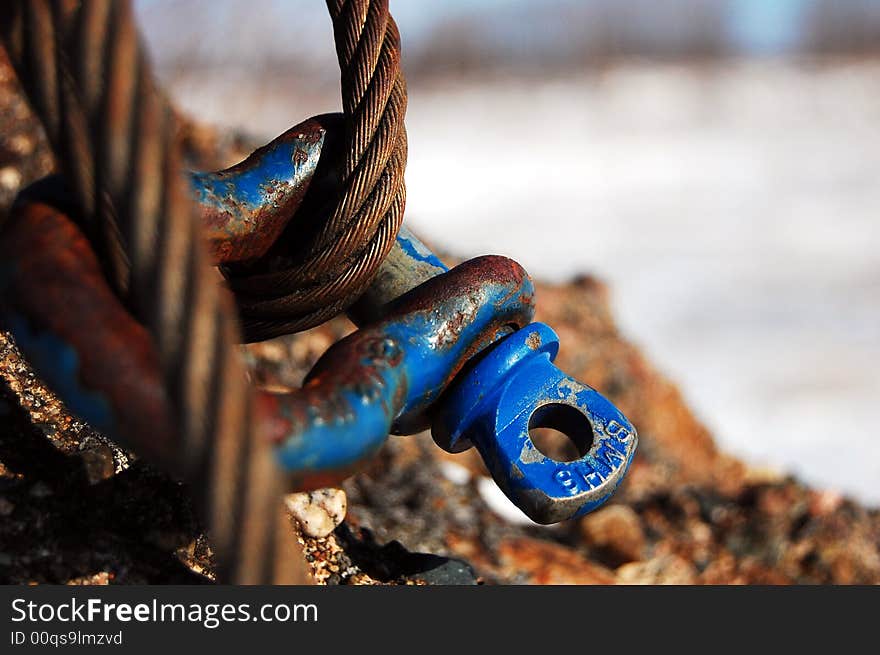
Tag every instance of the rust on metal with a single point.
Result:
(246, 207)
(57, 294)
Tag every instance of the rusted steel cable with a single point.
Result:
(86, 73)
(319, 269)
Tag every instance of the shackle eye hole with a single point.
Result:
(561, 432)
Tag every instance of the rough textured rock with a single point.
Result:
(319, 512)
(617, 530)
(75, 508)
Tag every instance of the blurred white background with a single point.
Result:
(717, 162)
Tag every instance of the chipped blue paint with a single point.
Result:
(385, 377)
(492, 407)
(339, 444)
(418, 251)
(356, 430)
(250, 185)
(58, 365)
(382, 378)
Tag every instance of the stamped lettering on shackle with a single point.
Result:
(589, 472)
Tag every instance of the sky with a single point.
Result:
(767, 26)
(749, 26)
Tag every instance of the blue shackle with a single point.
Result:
(516, 388)
(513, 388)
(402, 371)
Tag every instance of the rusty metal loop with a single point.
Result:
(85, 71)
(324, 262)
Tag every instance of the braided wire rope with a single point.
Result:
(85, 71)
(326, 268)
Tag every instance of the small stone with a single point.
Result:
(101, 578)
(10, 178)
(825, 502)
(6, 507)
(319, 512)
(616, 529)
(455, 473)
(763, 475)
(21, 144)
(535, 561)
(272, 351)
(98, 463)
(444, 571)
(665, 569)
